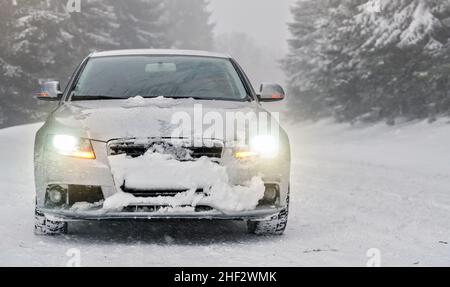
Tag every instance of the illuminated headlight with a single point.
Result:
(73, 146)
(264, 146)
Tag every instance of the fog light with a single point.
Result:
(271, 193)
(55, 196)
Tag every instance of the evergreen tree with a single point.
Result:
(92, 28)
(306, 63)
(8, 72)
(142, 24)
(404, 56)
(377, 59)
(32, 37)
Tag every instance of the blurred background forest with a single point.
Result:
(354, 60)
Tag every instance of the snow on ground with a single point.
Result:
(353, 188)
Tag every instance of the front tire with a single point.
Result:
(45, 226)
(274, 226)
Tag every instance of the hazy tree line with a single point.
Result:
(369, 60)
(40, 39)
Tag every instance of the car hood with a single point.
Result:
(104, 120)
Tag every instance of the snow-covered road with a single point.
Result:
(353, 189)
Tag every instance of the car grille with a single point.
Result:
(156, 208)
(181, 149)
(153, 193)
(156, 193)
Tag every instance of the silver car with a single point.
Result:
(158, 134)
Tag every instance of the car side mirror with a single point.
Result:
(271, 93)
(50, 91)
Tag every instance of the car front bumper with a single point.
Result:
(70, 215)
(54, 169)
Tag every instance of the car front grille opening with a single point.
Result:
(156, 208)
(85, 193)
(211, 152)
(129, 150)
(154, 192)
(134, 148)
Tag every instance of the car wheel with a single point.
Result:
(45, 226)
(274, 226)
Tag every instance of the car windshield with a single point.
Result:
(154, 76)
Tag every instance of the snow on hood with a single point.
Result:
(135, 117)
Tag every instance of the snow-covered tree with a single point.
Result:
(38, 39)
(92, 28)
(404, 55)
(32, 37)
(8, 72)
(307, 62)
(376, 59)
(141, 24)
(43, 41)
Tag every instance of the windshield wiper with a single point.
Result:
(94, 97)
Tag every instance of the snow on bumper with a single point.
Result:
(161, 171)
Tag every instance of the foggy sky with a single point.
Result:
(264, 20)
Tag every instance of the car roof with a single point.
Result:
(158, 52)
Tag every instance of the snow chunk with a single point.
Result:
(159, 102)
(154, 170)
(133, 102)
(220, 196)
